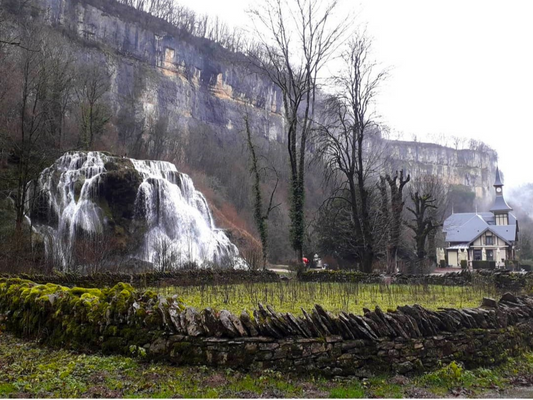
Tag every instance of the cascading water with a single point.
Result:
(87, 195)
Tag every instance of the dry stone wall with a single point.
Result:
(120, 319)
(505, 280)
(183, 277)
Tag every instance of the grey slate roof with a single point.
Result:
(498, 181)
(467, 227)
(500, 205)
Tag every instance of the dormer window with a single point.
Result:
(502, 219)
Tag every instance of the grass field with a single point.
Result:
(335, 297)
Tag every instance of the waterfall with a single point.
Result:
(91, 204)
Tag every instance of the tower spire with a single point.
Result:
(498, 181)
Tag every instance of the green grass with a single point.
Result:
(30, 370)
(352, 297)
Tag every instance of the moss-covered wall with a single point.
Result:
(193, 277)
(120, 319)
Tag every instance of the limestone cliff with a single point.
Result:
(194, 81)
(185, 78)
(475, 169)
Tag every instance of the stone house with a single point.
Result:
(487, 236)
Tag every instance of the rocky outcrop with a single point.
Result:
(94, 207)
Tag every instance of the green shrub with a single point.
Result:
(443, 264)
(464, 264)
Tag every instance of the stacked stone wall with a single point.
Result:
(120, 319)
(505, 280)
(192, 277)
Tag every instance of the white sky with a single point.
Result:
(461, 68)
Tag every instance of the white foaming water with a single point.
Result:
(178, 224)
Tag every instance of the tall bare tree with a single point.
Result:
(396, 184)
(350, 144)
(428, 203)
(93, 82)
(260, 214)
(297, 37)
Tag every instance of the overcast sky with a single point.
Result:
(459, 68)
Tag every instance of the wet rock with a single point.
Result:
(238, 325)
(366, 330)
(227, 324)
(509, 298)
(319, 324)
(211, 323)
(488, 302)
(194, 322)
(300, 328)
(327, 318)
(249, 323)
(310, 324)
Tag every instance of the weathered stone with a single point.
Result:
(509, 298)
(374, 328)
(238, 325)
(365, 329)
(333, 339)
(227, 324)
(404, 367)
(478, 317)
(249, 324)
(268, 346)
(174, 315)
(343, 328)
(310, 324)
(488, 302)
(327, 319)
(193, 320)
(301, 328)
(159, 346)
(396, 326)
(279, 322)
(211, 323)
(408, 323)
(380, 325)
(319, 324)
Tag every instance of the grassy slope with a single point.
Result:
(30, 370)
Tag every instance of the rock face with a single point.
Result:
(92, 202)
(475, 169)
(194, 81)
(188, 79)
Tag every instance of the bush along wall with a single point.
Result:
(120, 319)
(194, 277)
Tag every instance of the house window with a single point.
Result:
(489, 240)
(477, 255)
(501, 219)
(490, 255)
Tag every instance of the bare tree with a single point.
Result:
(93, 82)
(397, 203)
(300, 37)
(428, 198)
(260, 215)
(350, 143)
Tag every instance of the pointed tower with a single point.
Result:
(500, 209)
